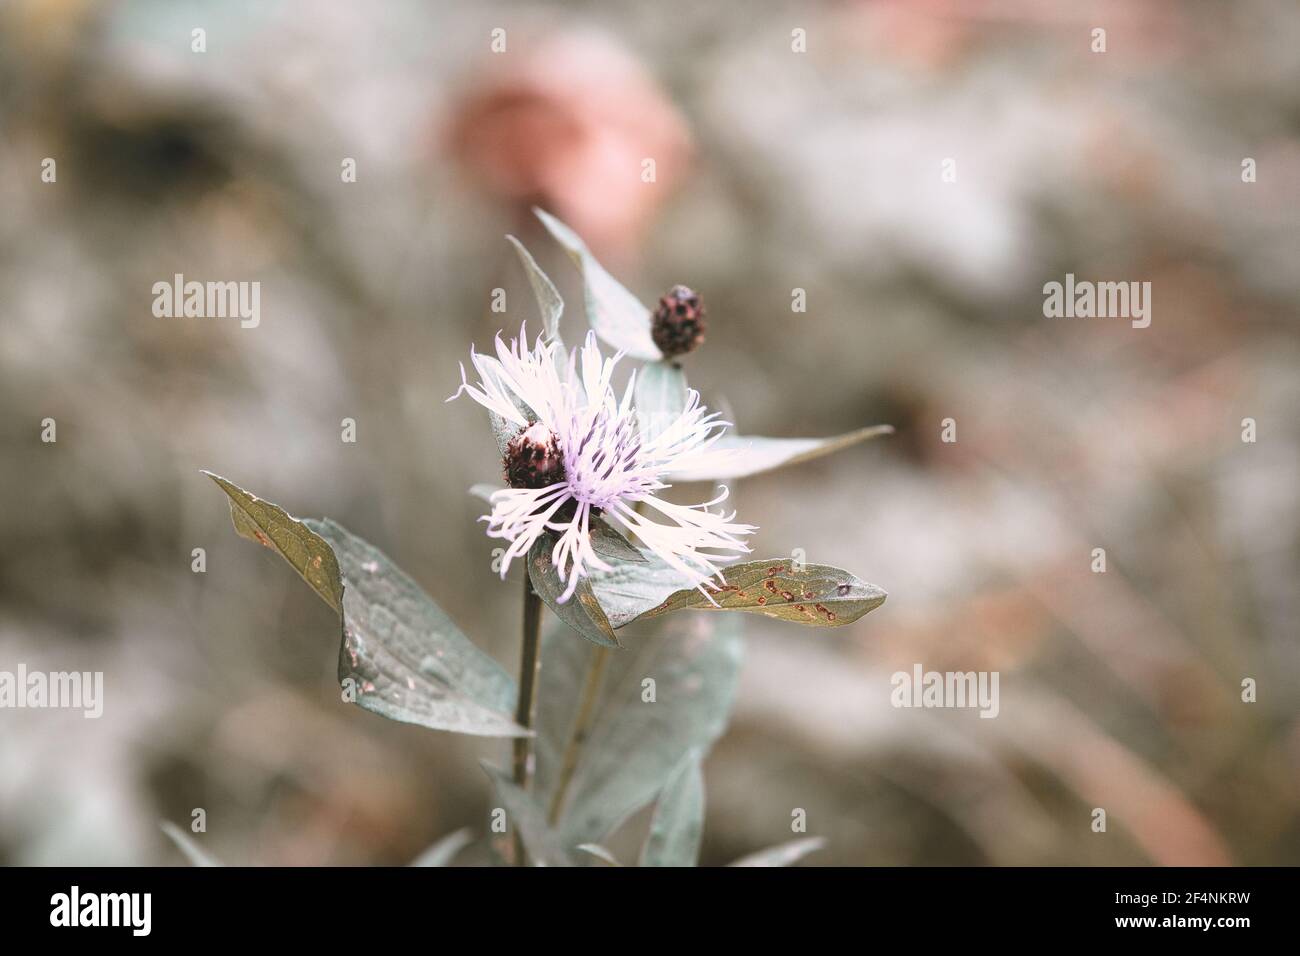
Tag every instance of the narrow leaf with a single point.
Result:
(548, 299)
(599, 852)
(502, 431)
(582, 611)
(442, 852)
(616, 314)
(783, 854)
(751, 455)
(193, 852)
(523, 812)
(678, 822)
(816, 595)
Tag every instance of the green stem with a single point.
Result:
(581, 728)
(530, 665)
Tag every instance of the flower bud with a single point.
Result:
(678, 322)
(533, 459)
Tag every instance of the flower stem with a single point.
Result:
(530, 664)
(581, 728)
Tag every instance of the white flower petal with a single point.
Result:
(607, 466)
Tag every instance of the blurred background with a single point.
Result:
(775, 170)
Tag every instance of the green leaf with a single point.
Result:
(401, 656)
(548, 299)
(660, 395)
(783, 854)
(582, 611)
(551, 307)
(405, 658)
(816, 595)
(193, 852)
(626, 591)
(615, 313)
(543, 844)
(599, 852)
(678, 822)
(608, 542)
(504, 430)
(271, 526)
(442, 852)
(752, 455)
(633, 745)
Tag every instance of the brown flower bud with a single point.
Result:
(533, 459)
(677, 326)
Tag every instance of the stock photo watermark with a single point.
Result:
(208, 300)
(53, 690)
(946, 689)
(77, 909)
(1081, 299)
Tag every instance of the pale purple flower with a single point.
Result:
(579, 454)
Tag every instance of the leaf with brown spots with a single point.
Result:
(815, 595)
(628, 590)
(271, 526)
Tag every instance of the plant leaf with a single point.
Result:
(406, 659)
(193, 852)
(551, 307)
(816, 595)
(608, 542)
(633, 745)
(548, 299)
(627, 590)
(616, 314)
(502, 431)
(542, 843)
(443, 851)
(751, 455)
(582, 611)
(783, 854)
(660, 397)
(400, 656)
(678, 822)
(271, 526)
(599, 852)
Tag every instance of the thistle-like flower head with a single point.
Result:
(579, 454)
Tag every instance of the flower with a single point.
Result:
(579, 454)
